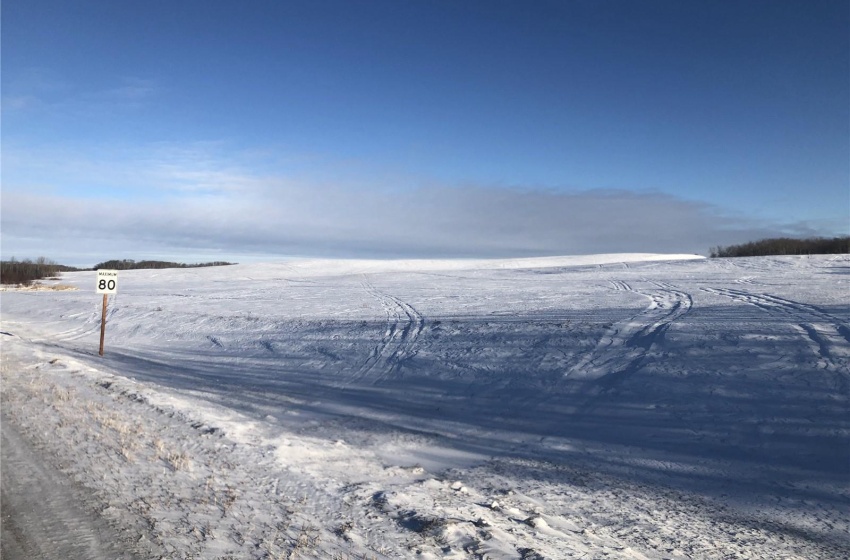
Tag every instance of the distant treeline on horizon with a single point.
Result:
(26, 271)
(130, 264)
(785, 246)
(23, 272)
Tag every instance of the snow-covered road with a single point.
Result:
(44, 515)
(624, 406)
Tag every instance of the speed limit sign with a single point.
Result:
(107, 281)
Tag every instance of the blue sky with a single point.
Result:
(251, 130)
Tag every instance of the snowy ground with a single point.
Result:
(619, 406)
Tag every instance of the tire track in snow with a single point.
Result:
(404, 324)
(620, 286)
(750, 280)
(90, 324)
(623, 347)
(828, 336)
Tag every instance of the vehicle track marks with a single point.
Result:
(397, 345)
(750, 280)
(620, 286)
(623, 347)
(827, 335)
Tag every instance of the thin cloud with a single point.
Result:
(43, 90)
(441, 222)
(193, 200)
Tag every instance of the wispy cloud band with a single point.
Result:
(187, 201)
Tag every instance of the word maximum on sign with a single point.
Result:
(107, 281)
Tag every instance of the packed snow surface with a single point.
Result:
(614, 406)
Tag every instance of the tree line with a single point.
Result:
(785, 246)
(24, 272)
(130, 264)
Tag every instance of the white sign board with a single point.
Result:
(107, 281)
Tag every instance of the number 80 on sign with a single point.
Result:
(107, 281)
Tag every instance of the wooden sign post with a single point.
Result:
(107, 283)
(103, 324)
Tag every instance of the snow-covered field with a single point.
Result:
(617, 406)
